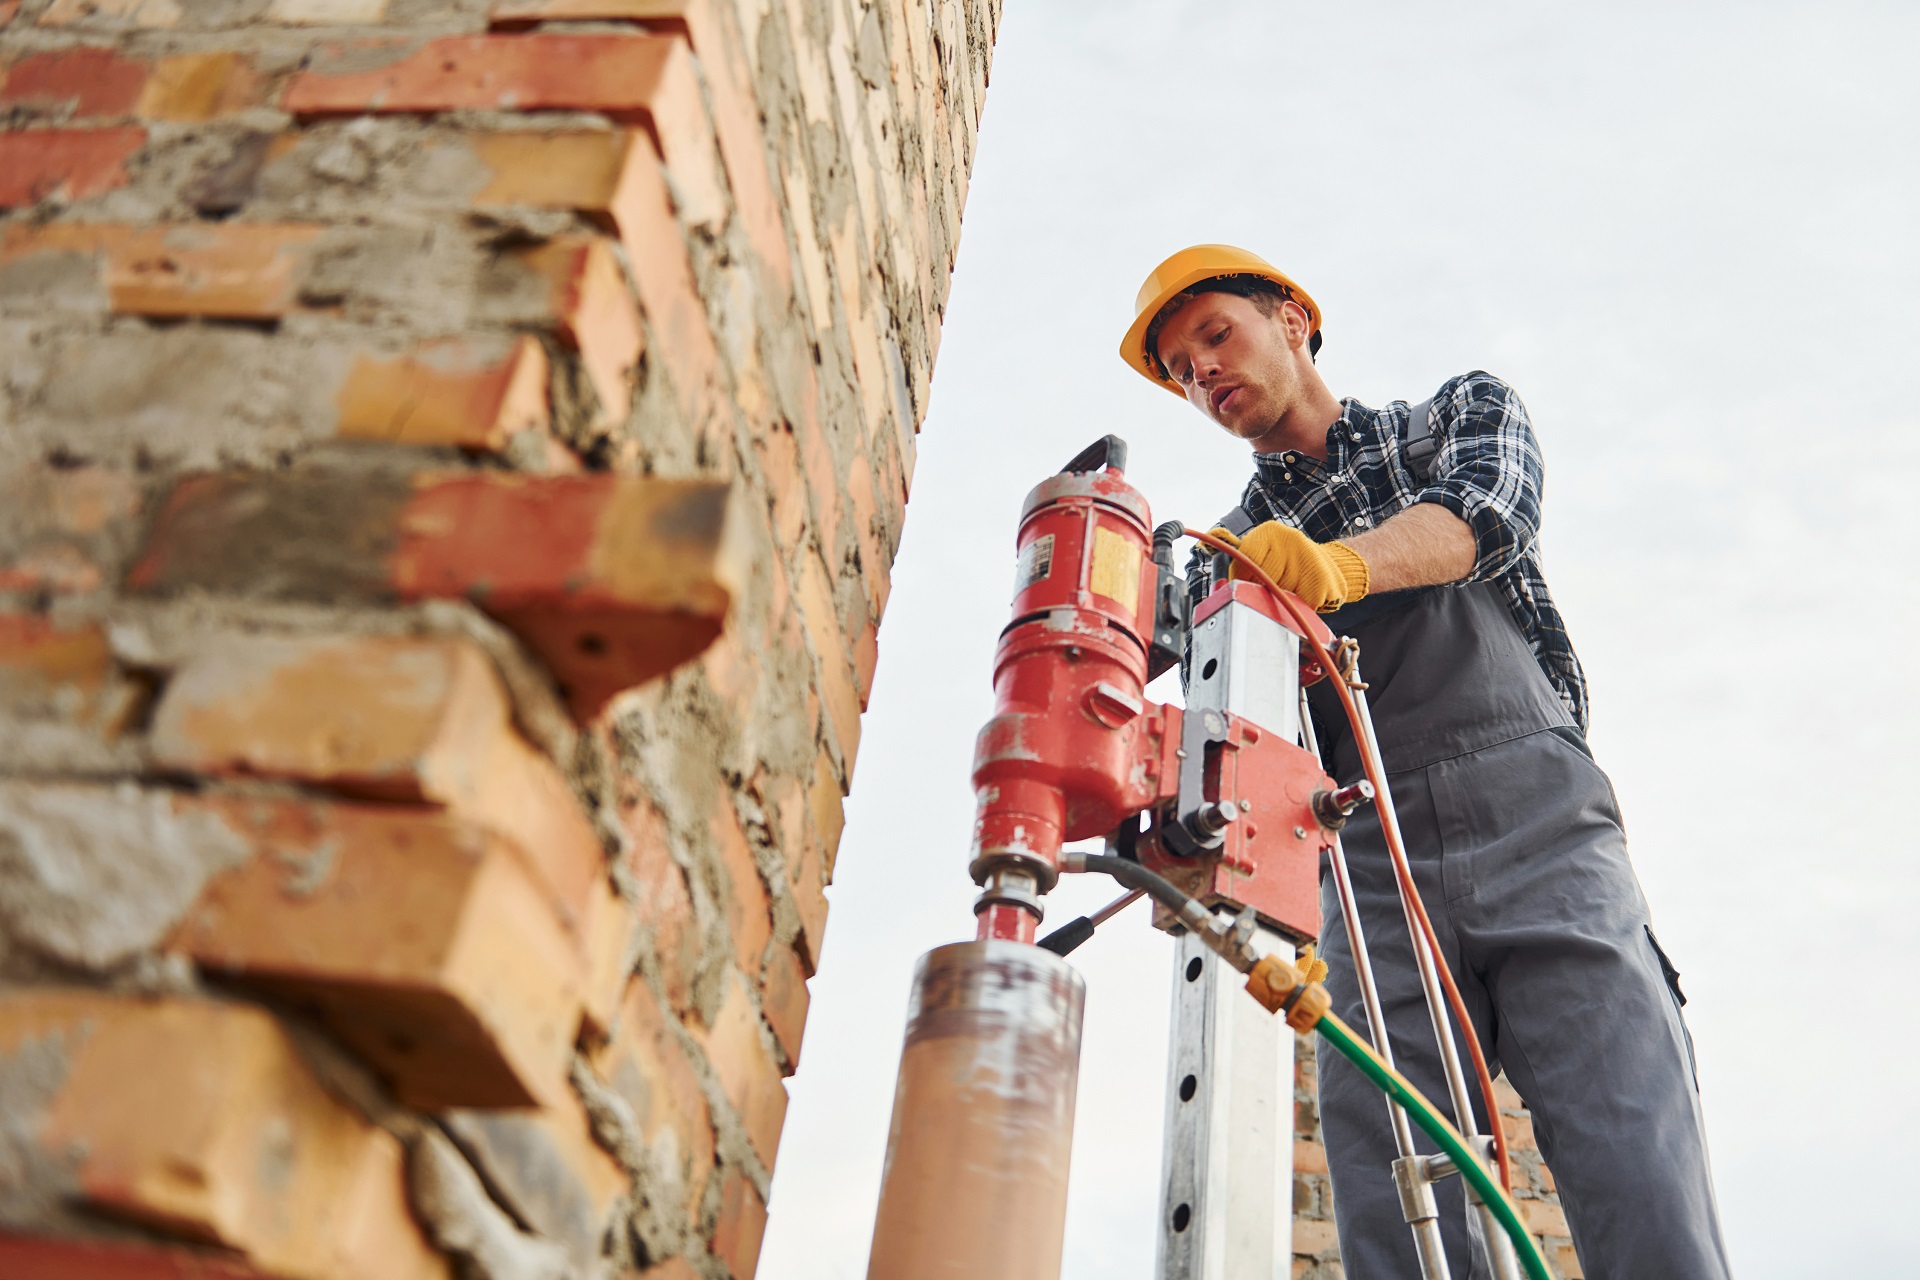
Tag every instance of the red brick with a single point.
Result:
(665, 904)
(784, 999)
(808, 882)
(1543, 1218)
(136, 13)
(643, 211)
(193, 87)
(611, 579)
(201, 1120)
(866, 661)
(74, 164)
(864, 514)
(748, 1074)
(547, 1168)
(464, 392)
(823, 478)
(596, 314)
(1309, 1156)
(646, 1064)
(232, 270)
(671, 1269)
(821, 616)
(1314, 1237)
(418, 940)
(749, 913)
(40, 1258)
(615, 75)
(414, 719)
(65, 673)
(741, 1226)
(786, 494)
(7, 9)
(827, 807)
(87, 81)
(609, 936)
(55, 513)
(736, 115)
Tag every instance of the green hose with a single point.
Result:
(1361, 1055)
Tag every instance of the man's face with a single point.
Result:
(1235, 365)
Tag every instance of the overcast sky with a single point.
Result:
(1690, 236)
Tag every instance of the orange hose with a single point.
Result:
(1402, 870)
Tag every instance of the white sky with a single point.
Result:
(1690, 236)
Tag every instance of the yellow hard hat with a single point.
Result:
(1184, 270)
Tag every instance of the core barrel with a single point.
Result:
(975, 1185)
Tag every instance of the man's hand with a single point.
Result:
(1325, 575)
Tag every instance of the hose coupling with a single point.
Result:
(1333, 808)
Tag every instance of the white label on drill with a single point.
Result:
(1116, 569)
(1036, 562)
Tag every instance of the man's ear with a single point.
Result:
(1294, 319)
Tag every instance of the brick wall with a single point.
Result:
(451, 456)
(1316, 1249)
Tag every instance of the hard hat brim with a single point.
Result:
(1229, 262)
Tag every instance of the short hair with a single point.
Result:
(1266, 296)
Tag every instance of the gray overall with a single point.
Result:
(1517, 848)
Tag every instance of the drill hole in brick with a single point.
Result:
(1193, 969)
(1188, 1087)
(1182, 1215)
(592, 644)
(1213, 665)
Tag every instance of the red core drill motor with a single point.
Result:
(1217, 798)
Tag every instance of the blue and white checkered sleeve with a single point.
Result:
(1489, 470)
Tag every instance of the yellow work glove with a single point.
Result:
(1311, 967)
(1324, 574)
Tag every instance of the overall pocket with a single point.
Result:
(1672, 977)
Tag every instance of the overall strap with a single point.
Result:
(1235, 522)
(1420, 446)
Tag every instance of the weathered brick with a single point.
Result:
(784, 999)
(73, 164)
(1314, 1237)
(596, 314)
(82, 82)
(611, 579)
(1309, 1157)
(327, 13)
(1543, 1217)
(246, 271)
(149, 14)
(59, 681)
(643, 211)
(420, 941)
(646, 1064)
(665, 904)
(749, 913)
(25, 1257)
(192, 87)
(471, 393)
(632, 79)
(200, 1120)
(813, 593)
(736, 115)
(742, 1224)
(548, 1169)
(808, 881)
(609, 935)
(401, 718)
(748, 1074)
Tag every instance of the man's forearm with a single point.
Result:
(1421, 546)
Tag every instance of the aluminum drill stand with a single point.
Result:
(1226, 1174)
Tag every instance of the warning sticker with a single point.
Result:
(1116, 569)
(1036, 562)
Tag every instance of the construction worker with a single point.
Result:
(1416, 531)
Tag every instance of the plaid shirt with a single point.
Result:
(1488, 472)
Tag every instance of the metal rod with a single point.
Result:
(1115, 907)
(1500, 1256)
(1427, 1241)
